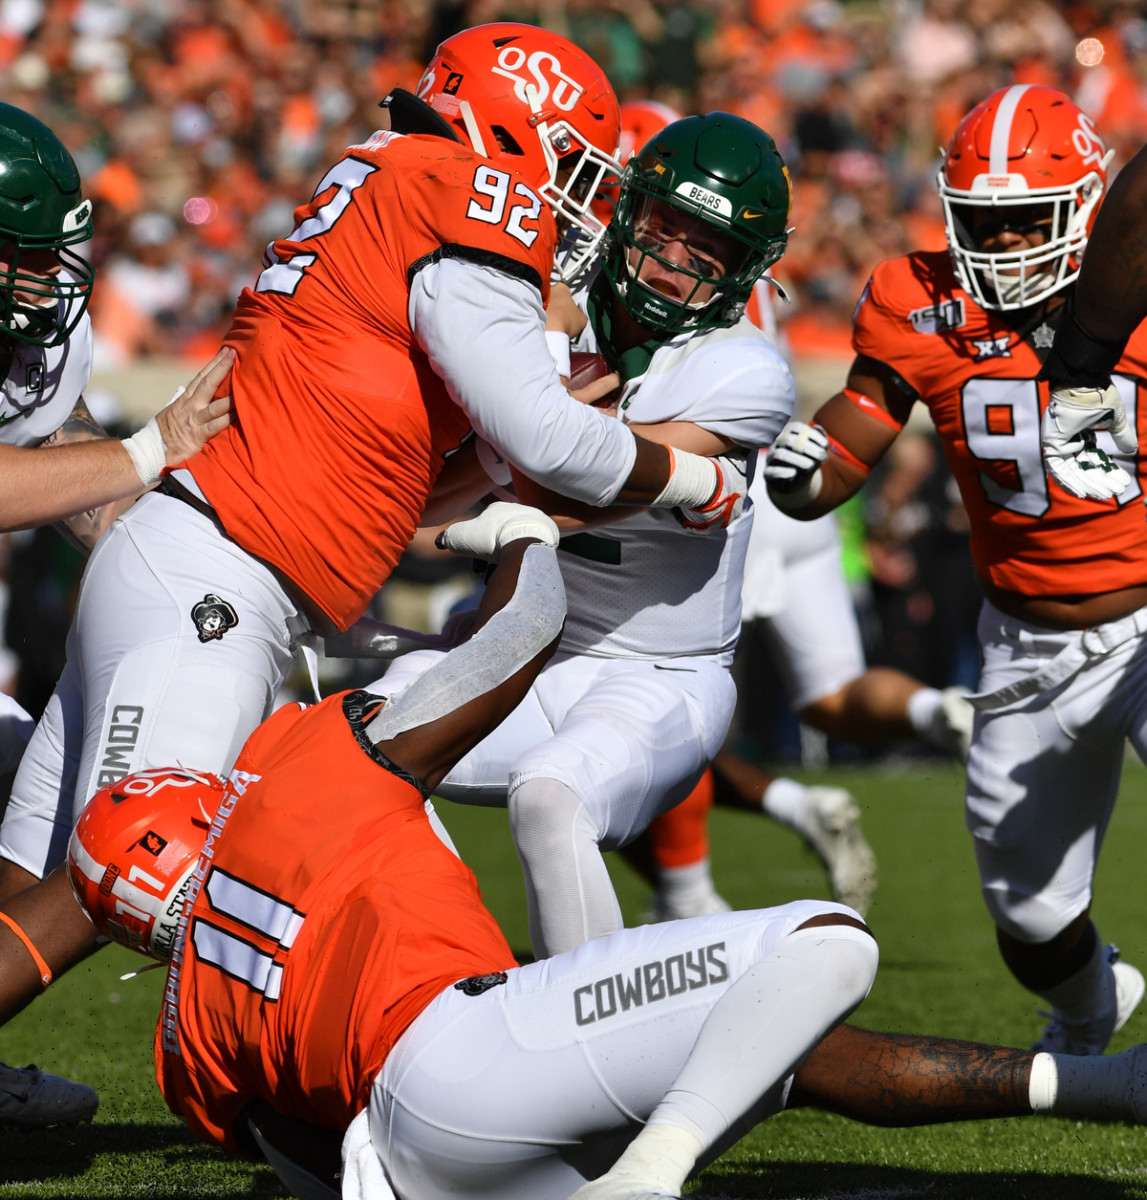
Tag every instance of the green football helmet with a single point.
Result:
(42, 214)
(724, 179)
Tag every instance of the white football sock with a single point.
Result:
(569, 893)
(1087, 994)
(784, 801)
(686, 887)
(1097, 1087)
(922, 708)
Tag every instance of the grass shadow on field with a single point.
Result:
(850, 1181)
(131, 1159)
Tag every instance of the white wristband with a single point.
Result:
(559, 347)
(692, 482)
(147, 452)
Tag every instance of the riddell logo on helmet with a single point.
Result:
(565, 93)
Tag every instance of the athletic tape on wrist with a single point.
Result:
(692, 481)
(37, 957)
(147, 452)
(503, 646)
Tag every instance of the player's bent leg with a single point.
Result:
(569, 893)
(43, 932)
(757, 1034)
(529, 1087)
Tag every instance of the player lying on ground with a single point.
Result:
(1064, 578)
(331, 963)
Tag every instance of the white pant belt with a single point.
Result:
(1086, 645)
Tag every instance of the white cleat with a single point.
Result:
(680, 908)
(831, 824)
(617, 1189)
(29, 1099)
(1091, 1037)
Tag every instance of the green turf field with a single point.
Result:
(939, 974)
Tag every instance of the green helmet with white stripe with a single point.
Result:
(702, 213)
(44, 284)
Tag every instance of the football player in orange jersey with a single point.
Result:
(1065, 578)
(404, 308)
(334, 975)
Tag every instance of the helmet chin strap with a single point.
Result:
(472, 130)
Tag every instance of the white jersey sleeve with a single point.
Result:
(43, 386)
(483, 332)
(645, 587)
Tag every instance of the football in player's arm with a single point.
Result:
(967, 335)
(333, 974)
(619, 727)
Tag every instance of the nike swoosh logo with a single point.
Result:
(685, 670)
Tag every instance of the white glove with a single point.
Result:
(1070, 453)
(494, 528)
(792, 465)
(728, 500)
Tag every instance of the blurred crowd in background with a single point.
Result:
(198, 126)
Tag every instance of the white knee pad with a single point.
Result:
(568, 890)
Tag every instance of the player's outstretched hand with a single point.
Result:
(1067, 434)
(792, 465)
(498, 525)
(196, 414)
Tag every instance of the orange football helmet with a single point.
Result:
(640, 120)
(1031, 148)
(133, 850)
(537, 104)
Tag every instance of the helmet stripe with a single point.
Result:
(1002, 129)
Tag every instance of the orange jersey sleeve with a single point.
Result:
(977, 375)
(341, 425)
(325, 916)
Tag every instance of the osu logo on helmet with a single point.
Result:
(1025, 159)
(133, 850)
(536, 104)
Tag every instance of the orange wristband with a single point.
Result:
(846, 454)
(37, 957)
(871, 409)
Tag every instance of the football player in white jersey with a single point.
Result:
(621, 724)
(45, 361)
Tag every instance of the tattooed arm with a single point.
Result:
(84, 528)
(85, 470)
(901, 1079)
